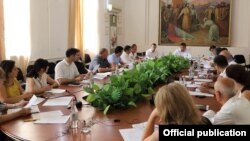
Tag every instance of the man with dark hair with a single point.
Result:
(220, 64)
(152, 53)
(212, 49)
(133, 55)
(125, 55)
(183, 51)
(115, 58)
(101, 60)
(66, 71)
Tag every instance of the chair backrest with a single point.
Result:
(140, 53)
(29, 68)
(81, 67)
(87, 59)
(20, 76)
(240, 59)
(51, 70)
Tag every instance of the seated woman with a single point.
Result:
(4, 106)
(241, 78)
(12, 90)
(37, 80)
(174, 105)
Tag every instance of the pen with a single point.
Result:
(29, 120)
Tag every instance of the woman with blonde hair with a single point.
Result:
(174, 105)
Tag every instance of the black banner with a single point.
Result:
(203, 132)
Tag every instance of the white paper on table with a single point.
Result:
(47, 114)
(142, 125)
(198, 83)
(187, 82)
(131, 134)
(53, 119)
(87, 81)
(204, 80)
(33, 109)
(192, 86)
(56, 91)
(9, 111)
(60, 101)
(102, 75)
(38, 101)
(186, 76)
(31, 102)
(200, 94)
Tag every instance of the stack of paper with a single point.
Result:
(200, 94)
(204, 80)
(135, 133)
(102, 75)
(50, 117)
(61, 101)
(56, 91)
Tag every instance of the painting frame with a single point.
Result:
(195, 22)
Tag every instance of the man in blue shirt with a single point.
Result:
(115, 58)
(101, 59)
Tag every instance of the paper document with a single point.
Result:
(204, 80)
(102, 75)
(38, 101)
(31, 102)
(47, 114)
(61, 101)
(56, 91)
(200, 94)
(131, 134)
(51, 120)
(34, 109)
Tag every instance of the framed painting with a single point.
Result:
(195, 22)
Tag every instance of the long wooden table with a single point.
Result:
(105, 128)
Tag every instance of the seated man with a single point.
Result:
(133, 54)
(66, 71)
(182, 51)
(101, 60)
(220, 64)
(229, 57)
(212, 50)
(115, 58)
(125, 55)
(152, 53)
(234, 110)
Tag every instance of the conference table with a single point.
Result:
(105, 127)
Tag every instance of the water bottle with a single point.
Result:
(191, 72)
(73, 115)
(91, 80)
(116, 70)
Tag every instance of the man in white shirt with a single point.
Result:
(229, 57)
(125, 55)
(152, 53)
(183, 51)
(133, 54)
(66, 71)
(234, 110)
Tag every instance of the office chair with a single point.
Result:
(240, 59)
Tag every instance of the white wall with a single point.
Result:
(137, 27)
(49, 28)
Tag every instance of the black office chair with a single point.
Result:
(87, 60)
(240, 59)
(51, 70)
(29, 68)
(21, 78)
(81, 67)
(140, 54)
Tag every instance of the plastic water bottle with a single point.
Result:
(91, 80)
(116, 70)
(73, 115)
(191, 72)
